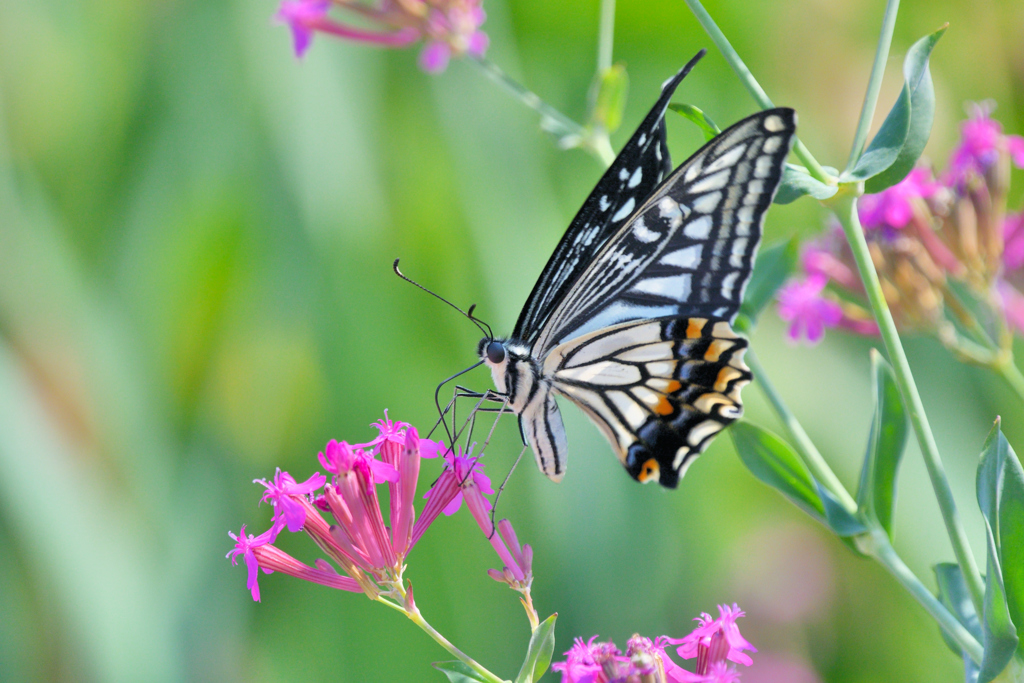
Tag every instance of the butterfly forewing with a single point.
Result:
(658, 389)
(688, 249)
(641, 166)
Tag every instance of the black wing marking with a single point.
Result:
(640, 167)
(659, 390)
(689, 249)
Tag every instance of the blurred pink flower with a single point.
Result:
(894, 207)
(450, 28)
(1013, 241)
(806, 310)
(981, 142)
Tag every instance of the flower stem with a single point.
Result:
(845, 206)
(867, 111)
(1009, 371)
(886, 555)
(606, 36)
(551, 120)
(417, 618)
(804, 446)
(755, 89)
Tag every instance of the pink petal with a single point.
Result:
(434, 57)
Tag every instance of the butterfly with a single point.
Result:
(631, 317)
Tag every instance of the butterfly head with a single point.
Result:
(511, 367)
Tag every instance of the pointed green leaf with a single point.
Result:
(773, 265)
(885, 148)
(953, 594)
(922, 111)
(797, 182)
(774, 462)
(609, 98)
(839, 519)
(999, 476)
(876, 495)
(457, 672)
(706, 125)
(538, 654)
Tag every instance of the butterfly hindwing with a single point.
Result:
(640, 167)
(659, 390)
(689, 248)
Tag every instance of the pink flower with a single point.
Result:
(288, 512)
(894, 207)
(339, 458)
(1013, 304)
(450, 28)
(715, 640)
(246, 547)
(982, 141)
(807, 312)
(358, 541)
(590, 662)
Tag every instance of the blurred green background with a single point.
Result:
(196, 237)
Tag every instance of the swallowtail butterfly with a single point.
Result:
(631, 317)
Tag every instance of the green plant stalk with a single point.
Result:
(560, 124)
(879, 547)
(860, 138)
(417, 618)
(755, 89)
(605, 36)
(886, 555)
(844, 204)
(1009, 371)
(804, 446)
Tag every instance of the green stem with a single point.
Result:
(804, 446)
(1009, 371)
(845, 206)
(551, 120)
(867, 111)
(886, 555)
(755, 89)
(605, 36)
(417, 618)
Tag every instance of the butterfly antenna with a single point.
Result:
(476, 321)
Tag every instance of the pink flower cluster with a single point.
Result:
(449, 28)
(370, 553)
(714, 643)
(921, 232)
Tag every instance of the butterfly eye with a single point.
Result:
(496, 352)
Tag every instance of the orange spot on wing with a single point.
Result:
(695, 328)
(716, 349)
(649, 471)
(664, 407)
(726, 375)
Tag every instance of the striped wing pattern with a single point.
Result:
(640, 167)
(659, 390)
(688, 249)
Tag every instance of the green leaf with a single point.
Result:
(838, 518)
(953, 594)
(797, 182)
(773, 265)
(922, 111)
(609, 98)
(774, 462)
(885, 148)
(999, 478)
(706, 125)
(457, 672)
(876, 495)
(538, 654)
